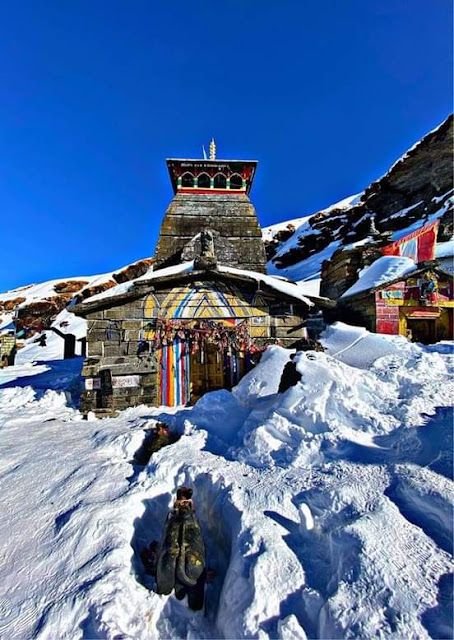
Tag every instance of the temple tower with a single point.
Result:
(211, 194)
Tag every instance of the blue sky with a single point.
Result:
(94, 95)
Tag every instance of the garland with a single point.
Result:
(196, 335)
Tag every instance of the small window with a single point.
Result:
(220, 181)
(236, 182)
(203, 181)
(187, 180)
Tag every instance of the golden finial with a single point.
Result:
(212, 149)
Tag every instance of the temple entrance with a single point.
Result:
(197, 356)
(213, 369)
(424, 331)
(207, 371)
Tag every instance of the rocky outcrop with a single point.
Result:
(132, 271)
(414, 189)
(94, 289)
(7, 306)
(70, 286)
(39, 315)
(282, 235)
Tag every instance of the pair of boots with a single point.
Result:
(179, 562)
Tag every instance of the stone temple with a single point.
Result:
(201, 317)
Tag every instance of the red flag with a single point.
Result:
(418, 245)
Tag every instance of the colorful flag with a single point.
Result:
(418, 245)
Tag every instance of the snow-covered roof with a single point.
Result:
(385, 269)
(151, 274)
(279, 284)
(444, 249)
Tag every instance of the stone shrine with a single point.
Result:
(201, 317)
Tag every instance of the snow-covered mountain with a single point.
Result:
(417, 188)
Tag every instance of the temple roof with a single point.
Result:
(135, 288)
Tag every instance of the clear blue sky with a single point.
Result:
(95, 94)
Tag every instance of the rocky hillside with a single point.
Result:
(37, 305)
(417, 188)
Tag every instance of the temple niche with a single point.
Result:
(201, 318)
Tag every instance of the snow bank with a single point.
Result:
(359, 348)
(326, 510)
(263, 380)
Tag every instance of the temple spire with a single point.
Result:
(212, 149)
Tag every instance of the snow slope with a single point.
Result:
(60, 291)
(305, 272)
(326, 510)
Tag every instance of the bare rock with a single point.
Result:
(69, 286)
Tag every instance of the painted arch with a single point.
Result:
(204, 300)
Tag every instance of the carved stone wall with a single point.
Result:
(224, 249)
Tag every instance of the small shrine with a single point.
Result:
(404, 292)
(201, 317)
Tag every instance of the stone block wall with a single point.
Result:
(238, 237)
(117, 376)
(113, 337)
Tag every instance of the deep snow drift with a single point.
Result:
(326, 510)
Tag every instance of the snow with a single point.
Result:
(442, 197)
(403, 212)
(268, 233)
(306, 229)
(35, 292)
(444, 253)
(359, 348)
(306, 272)
(43, 290)
(278, 284)
(326, 510)
(444, 249)
(385, 269)
(418, 224)
(150, 274)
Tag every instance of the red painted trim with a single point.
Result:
(230, 192)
